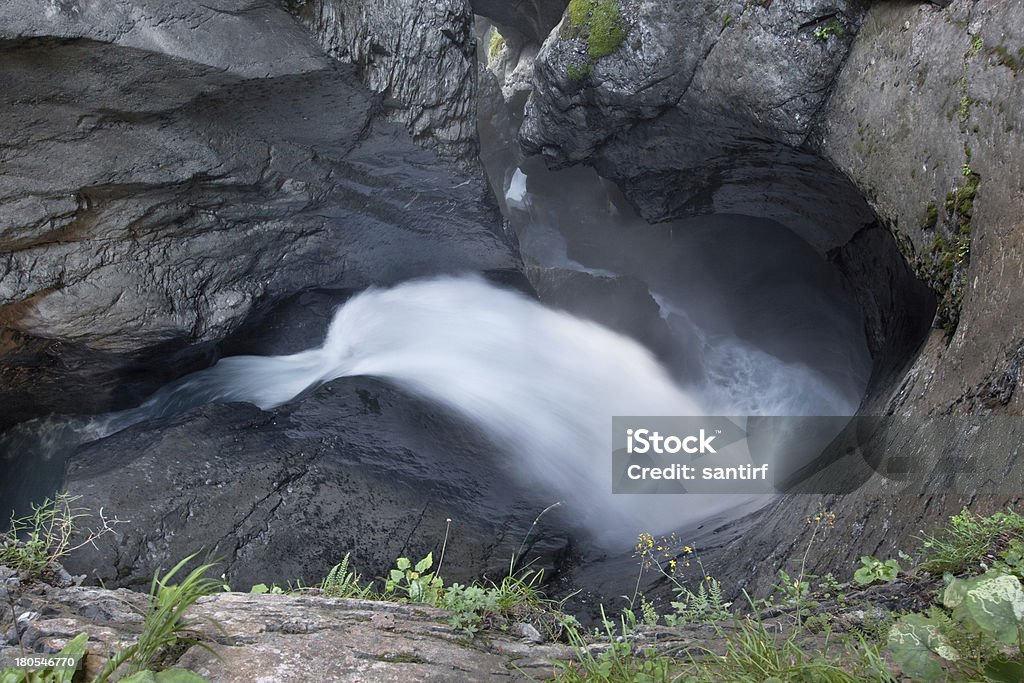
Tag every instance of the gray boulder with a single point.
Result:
(150, 204)
(712, 76)
(282, 496)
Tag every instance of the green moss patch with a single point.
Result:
(944, 266)
(599, 24)
(496, 45)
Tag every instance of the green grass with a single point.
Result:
(968, 541)
(750, 653)
(36, 543)
(165, 626)
(754, 654)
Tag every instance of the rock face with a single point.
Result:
(286, 638)
(934, 139)
(150, 204)
(420, 56)
(282, 496)
(695, 91)
(916, 127)
(706, 109)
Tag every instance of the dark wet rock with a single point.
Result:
(420, 56)
(281, 496)
(151, 204)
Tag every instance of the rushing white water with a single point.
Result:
(542, 384)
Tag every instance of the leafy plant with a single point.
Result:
(967, 639)
(416, 583)
(704, 605)
(34, 543)
(873, 570)
(1011, 559)
(165, 625)
(795, 592)
(469, 605)
(342, 582)
(826, 31)
(648, 613)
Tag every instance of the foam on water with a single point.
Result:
(540, 383)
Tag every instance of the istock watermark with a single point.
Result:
(755, 455)
(684, 455)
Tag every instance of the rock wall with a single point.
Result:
(420, 56)
(928, 104)
(706, 108)
(527, 21)
(927, 120)
(150, 203)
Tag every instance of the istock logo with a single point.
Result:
(646, 441)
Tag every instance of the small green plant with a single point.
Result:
(34, 544)
(968, 541)
(963, 109)
(826, 31)
(704, 605)
(873, 570)
(496, 44)
(648, 613)
(165, 625)
(415, 583)
(931, 217)
(577, 72)
(469, 605)
(343, 582)
(1011, 559)
(263, 589)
